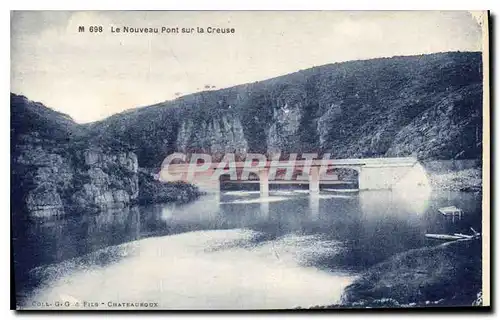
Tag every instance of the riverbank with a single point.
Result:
(447, 274)
(153, 191)
(455, 175)
(469, 180)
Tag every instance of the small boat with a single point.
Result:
(464, 236)
(443, 236)
(455, 236)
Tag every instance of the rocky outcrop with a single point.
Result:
(153, 191)
(44, 200)
(54, 172)
(108, 180)
(218, 135)
(282, 134)
(54, 182)
(39, 176)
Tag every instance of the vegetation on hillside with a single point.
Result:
(429, 106)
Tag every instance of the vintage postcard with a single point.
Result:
(249, 160)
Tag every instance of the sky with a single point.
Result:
(90, 76)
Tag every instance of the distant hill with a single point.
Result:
(428, 106)
(35, 119)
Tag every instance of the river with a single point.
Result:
(232, 251)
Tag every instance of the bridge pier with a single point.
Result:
(386, 177)
(314, 180)
(373, 178)
(264, 183)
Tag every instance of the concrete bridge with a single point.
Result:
(372, 173)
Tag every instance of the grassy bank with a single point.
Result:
(447, 274)
(459, 180)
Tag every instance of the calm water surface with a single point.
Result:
(236, 250)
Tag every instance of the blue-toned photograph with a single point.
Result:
(249, 160)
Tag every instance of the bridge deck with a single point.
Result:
(333, 182)
(369, 162)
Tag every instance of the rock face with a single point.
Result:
(427, 106)
(285, 125)
(108, 180)
(42, 176)
(153, 191)
(56, 184)
(218, 135)
(53, 173)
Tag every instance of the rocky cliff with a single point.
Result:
(218, 135)
(428, 106)
(56, 169)
(55, 172)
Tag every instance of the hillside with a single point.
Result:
(56, 170)
(428, 106)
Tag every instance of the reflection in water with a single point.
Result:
(264, 210)
(286, 250)
(215, 269)
(314, 205)
(200, 270)
(256, 200)
(385, 202)
(56, 239)
(416, 199)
